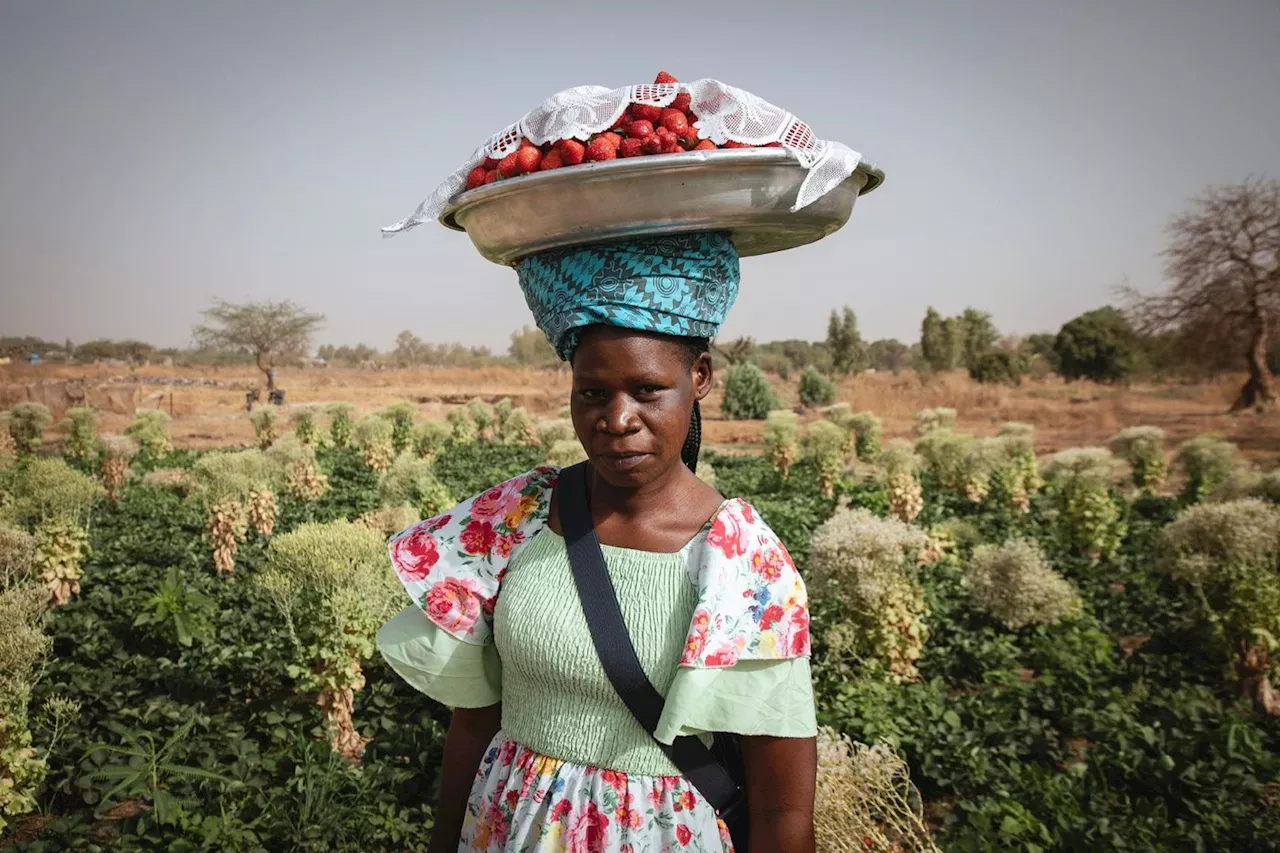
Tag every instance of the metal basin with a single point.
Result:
(748, 192)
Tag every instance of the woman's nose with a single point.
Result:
(618, 417)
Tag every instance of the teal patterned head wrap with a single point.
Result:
(681, 285)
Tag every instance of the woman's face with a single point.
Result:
(633, 397)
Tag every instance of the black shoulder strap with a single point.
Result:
(613, 643)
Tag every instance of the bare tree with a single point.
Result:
(1223, 264)
(271, 332)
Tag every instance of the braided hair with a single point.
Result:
(695, 348)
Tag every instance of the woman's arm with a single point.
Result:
(781, 775)
(470, 732)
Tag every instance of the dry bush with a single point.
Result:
(552, 432)
(940, 417)
(1016, 585)
(865, 800)
(296, 469)
(869, 566)
(412, 481)
(341, 423)
(373, 437)
(782, 440)
(431, 439)
(825, 449)
(389, 521)
(899, 462)
(331, 584)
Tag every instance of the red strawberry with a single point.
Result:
(491, 176)
(773, 145)
(682, 102)
(528, 160)
(475, 177)
(652, 144)
(690, 135)
(640, 128)
(648, 112)
(734, 144)
(664, 77)
(675, 121)
(631, 147)
(552, 160)
(601, 149)
(572, 151)
(671, 146)
(508, 168)
(705, 145)
(490, 163)
(612, 138)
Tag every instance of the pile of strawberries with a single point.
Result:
(641, 130)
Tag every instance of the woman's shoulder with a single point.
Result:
(458, 557)
(739, 530)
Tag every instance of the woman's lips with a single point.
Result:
(624, 461)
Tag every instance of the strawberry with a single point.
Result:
(572, 151)
(682, 102)
(640, 128)
(734, 144)
(528, 160)
(491, 176)
(612, 138)
(552, 160)
(631, 147)
(490, 163)
(671, 146)
(664, 77)
(675, 121)
(601, 149)
(705, 145)
(690, 135)
(475, 177)
(508, 168)
(648, 112)
(652, 144)
(773, 145)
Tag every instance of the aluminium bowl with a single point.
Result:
(746, 191)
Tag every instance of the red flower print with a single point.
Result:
(499, 826)
(772, 614)
(728, 533)
(415, 553)
(683, 834)
(478, 538)
(455, 604)
(439, 522)
(513, 797)
(489, 504)
(561, 810)
(799, 631)
(507, 543)
(614, 779)
(689, 800)
(693, 647)
(589, 832)
(722, 657)
(768, 564)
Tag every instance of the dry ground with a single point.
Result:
(208, 403)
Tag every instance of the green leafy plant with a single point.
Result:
(27, 422)
(747, 395)
(186, 611)
(816, 389)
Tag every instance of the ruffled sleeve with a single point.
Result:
(452, 567)
(745, 664)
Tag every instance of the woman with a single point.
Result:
(541, 752)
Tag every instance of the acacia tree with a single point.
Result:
(1223, 264)
(269, 331)
(845, 343)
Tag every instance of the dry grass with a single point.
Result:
(1064, 414)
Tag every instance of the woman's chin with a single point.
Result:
(626, 471)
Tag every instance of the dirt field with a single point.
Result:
(208, 404)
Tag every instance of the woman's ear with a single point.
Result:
(703, 376)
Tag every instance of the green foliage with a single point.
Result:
(1206, 463)
(27, 422)
(517, 428)
(150, 430)
(1089, 519)
(341, 423)
(305, 424)
(931, 419)
(747, 395)
(550, 433)
(844, 343)
(462, 426)
(816, 389)
(183, 610)
(979, 336)
(867, 429)
(402, 416)
(483, 418)
(431, 437)
(81, 427)
(825, 449)
(373, 437)
(48, 489)
(265, 429)
(564, 454)
(412, 481)
(781, 436)
(1097, 345)
(941, 341)
(998, 367)
(1142, 447)
(219, 476)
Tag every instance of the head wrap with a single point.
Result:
(681, 285)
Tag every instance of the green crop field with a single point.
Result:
(1069, 653)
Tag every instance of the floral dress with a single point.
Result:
(721, 628)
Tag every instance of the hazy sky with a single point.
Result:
(157, 153)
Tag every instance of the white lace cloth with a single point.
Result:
(724, 114)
